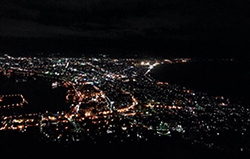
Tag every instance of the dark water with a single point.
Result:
(38, 93)
(225, 78)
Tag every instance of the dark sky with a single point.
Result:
(142, 25)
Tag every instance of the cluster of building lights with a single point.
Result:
(118, 100)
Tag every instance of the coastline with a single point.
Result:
(230, 80)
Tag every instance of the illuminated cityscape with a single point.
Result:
(118, 101)
(124, 78)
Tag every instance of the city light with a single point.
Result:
(115, 100)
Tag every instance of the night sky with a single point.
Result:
(152, 27)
